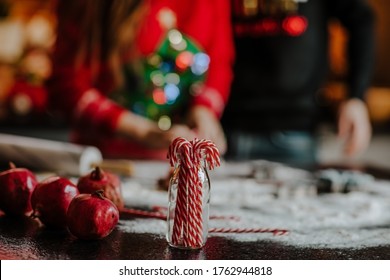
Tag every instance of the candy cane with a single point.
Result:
(180, 227)
(179, 152)
(195, 207)
(143, 214)
(209, 150)
(203, 149)
(274, 231)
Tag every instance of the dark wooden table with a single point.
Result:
(26, 238)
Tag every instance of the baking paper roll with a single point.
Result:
(47, 155)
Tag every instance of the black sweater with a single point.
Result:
(277, 77)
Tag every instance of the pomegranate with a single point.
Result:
(50, 200)
(16, 187)
(92, 216)
(101, 180)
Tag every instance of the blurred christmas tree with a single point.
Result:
(161, 85)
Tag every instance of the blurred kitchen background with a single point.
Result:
(27, 33)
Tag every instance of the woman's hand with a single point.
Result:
(354, 126)
(207, 126)
(157, 138)
(147, 132)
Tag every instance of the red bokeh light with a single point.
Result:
(269, 26)
(294, 25)
(184, 60)
(159, 96)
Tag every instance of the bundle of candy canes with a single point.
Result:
(188, 221)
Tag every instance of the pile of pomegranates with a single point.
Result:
(88, 209)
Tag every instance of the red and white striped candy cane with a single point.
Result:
(180, 153)
(274, 231)
(142, 213)
(195, 206)
(207, 151)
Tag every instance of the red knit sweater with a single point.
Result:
(87, 104)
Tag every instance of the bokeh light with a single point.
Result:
(164, 123)
(159, 96)
(184, 60)
(201, 63)
(172, 92)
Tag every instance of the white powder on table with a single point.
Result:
(357, 219)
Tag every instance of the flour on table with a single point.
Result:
(360, 218)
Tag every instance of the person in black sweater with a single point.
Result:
(281, 65)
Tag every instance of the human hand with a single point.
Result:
(354, 126)
(147, 132)
(156, 138)
(207, 126)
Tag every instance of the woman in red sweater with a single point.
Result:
(97, 37)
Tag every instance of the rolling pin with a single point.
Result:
(55, 156)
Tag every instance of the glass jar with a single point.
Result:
(188, 207)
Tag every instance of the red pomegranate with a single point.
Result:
(102, 180)
(92, 216)
(50, 200)
(16, 187)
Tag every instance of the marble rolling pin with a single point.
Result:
(54, 156)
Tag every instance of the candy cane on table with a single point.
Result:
(142, 213)
(274, 231)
